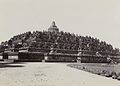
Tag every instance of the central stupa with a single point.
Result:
(53, 27)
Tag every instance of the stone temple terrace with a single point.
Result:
(57, 46)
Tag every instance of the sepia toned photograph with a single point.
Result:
(59, 43)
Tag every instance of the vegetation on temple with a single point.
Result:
(59, 40)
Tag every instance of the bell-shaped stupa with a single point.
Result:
(53, 27)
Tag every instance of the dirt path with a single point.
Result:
(50, 74)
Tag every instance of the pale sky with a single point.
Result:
(96, 18)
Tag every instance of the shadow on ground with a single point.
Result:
(4, 65)
(18, 63)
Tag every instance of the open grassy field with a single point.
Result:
(108, 70)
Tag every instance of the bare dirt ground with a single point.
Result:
(50, 74)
